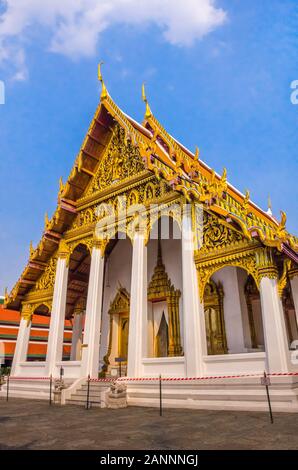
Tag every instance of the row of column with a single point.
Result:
(277, 351)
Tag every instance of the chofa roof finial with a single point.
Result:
(148, 113)
(104, 92)
(269, 210)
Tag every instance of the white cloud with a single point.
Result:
(74, 26)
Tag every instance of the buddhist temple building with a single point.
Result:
(159, 263)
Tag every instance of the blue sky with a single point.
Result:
(217, 74)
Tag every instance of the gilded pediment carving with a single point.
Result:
(47, 279)
(121, 160)
(217, 235)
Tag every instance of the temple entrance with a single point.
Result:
(290, 315)
(164, 295)
(233, 317)
(116, 306)
(76, 299)
(118, 335)
(214, 319)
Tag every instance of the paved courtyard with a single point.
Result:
(34, 424)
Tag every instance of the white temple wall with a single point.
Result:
(118, 270)
(232, 309)
(257, 314)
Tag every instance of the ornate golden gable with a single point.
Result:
(121, 160)
(217, 234)
(47, 279)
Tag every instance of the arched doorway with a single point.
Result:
(164, 272)
(39, 332)
(76, 298)
(116, 306)
(214, 318)
(233, 316)
(290, 314)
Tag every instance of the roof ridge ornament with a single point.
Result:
(269, 210)
(197, 153)
(148, 113)
(104, 91)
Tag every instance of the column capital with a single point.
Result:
(27, 312)
(99, 243)
(80, 306)
(293, 272)
(64, 250)
(140, 231)
(265, 264)
(269, 272)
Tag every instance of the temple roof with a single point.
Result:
(168, 159)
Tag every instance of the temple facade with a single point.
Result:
(160, 265)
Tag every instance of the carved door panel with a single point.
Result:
(123, 346)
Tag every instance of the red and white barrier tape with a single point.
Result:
(189, 379)
(29, 378)
(170, 379)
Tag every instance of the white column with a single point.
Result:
(294, 288)
(90, 351)
(76, 336)
(193, 310)
(56, 332)
(276, 343)
(137, 340)
(21, 349)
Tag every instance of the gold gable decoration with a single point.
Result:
(47, 279)
(224, 246)
(217, 235)
(121, 161)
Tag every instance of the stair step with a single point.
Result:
(74, 401)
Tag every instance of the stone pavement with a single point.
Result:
(26, 424)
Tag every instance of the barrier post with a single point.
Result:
(51, 383)
(265, 380)
(7, 387)
(160, 396)
(88, 393)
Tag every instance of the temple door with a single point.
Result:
(123, 346)
(214, 319)
(162, 338)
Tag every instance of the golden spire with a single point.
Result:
(31, 249)
(46, 221)
(148, 113)
(104, 92)
(61, 185)
(269, 211)
(6, 296)
(197, 154)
